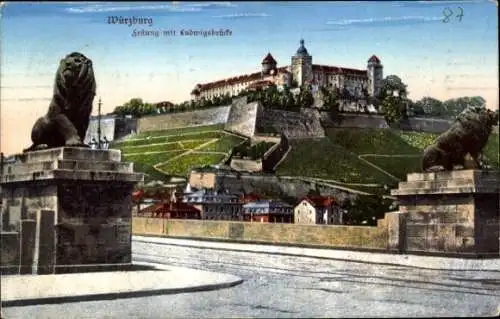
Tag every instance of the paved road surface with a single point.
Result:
(286, 286)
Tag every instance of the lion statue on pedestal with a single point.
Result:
(467, 135)
(67, 119)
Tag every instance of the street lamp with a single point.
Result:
(99, 124)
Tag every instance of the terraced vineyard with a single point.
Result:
(363, 158)
(173, 152)
(359, 159)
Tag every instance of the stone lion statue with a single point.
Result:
(67, 119)
(468, 134)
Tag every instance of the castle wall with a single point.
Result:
(305, 124)
(211, 116)
(242, 117)
(377, 121)
(426, 125)
(275, 154)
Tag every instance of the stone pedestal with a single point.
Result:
(71, 207)
(455, 213)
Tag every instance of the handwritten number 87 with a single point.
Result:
(447, 12)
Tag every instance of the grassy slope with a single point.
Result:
(336, 156)
(174, 142)
(332, 158)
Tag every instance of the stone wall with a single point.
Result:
(273, 233)
(24, 201)
(425, 125)
(264, 138)
(9, 252)
(355, 121)
(247, 165)
(211, 116)
(250, 119)
(70, 207)
(107, 128)
(455, 212)
(242, 117)
(124, 127)
(303, 124)
(275, 154)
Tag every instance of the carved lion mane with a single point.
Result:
(67, 119)
(467, 135)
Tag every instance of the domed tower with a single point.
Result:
(302, 65)
(375, 75)
(268, 64)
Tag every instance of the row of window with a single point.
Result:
(265, 210)
(210, 200)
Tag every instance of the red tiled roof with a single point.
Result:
(319, 200)
(269, 59)
(234, 80)
(165, 208)
(374, 59)
(260, 84)
(137, 195)
(336, 69)
(250, 198)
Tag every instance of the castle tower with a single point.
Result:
(302, 65)
(375, 75)
(268, 64)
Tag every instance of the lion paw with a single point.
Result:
(37, 147)
(74, 141)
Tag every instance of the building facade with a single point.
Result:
(300, 72)
(174, 210)
(268, 211)
(317, 210)
(215, 205)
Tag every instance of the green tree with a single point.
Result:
(133, 106)
(366, 208)
(331, 103)
(391, 85)
(430, 106)
(306, 99)
(455, 106)
(394, 109)
(288, 101)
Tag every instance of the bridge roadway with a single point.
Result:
(291, 286)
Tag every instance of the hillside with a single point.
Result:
(174, 152)
(364, 159)
(361, 159)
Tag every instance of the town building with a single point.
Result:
(172, 210)
(268, 211)
(317, 210)
(301, 71)
(210, 177)
(215, 205)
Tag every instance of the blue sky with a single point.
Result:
(434, 58)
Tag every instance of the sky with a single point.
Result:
(434, 57)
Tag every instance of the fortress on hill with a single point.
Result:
(300, 72)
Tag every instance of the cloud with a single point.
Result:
(445, 2)
(174, 7)
(383, 21)
(422, 4)
(101, 8)
(225, 4)
(242, 15)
